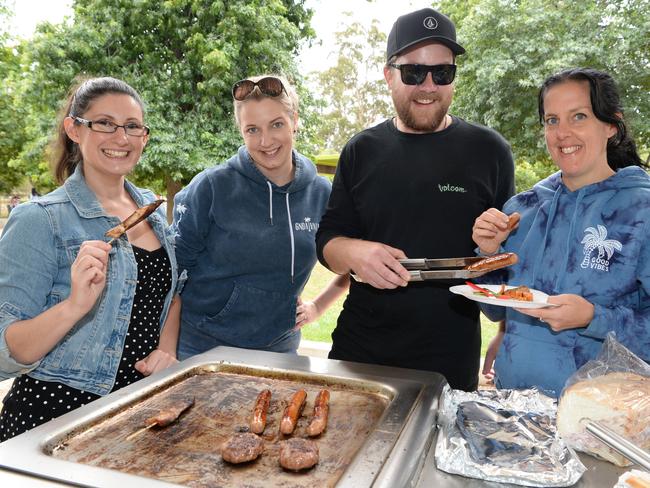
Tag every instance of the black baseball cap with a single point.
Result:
(422, 25)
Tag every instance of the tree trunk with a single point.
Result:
(173, 187)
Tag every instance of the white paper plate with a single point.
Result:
(540, 299)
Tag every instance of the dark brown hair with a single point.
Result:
(606, 105)
(65, 152)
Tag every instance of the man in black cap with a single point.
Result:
(413, 186)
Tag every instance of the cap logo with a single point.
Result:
(430, 23)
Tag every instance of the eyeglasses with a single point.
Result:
(415, 74)
(108, 127)
(269, 86)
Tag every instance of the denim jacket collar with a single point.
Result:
(83, 198)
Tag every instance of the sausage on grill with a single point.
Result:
(321, 410)
(292, 412)
(258, 421)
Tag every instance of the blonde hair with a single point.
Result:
(288, 98)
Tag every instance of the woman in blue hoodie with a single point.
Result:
(245, 232)
(583, 238)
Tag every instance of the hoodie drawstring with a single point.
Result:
(293, 245)
(551, 215)
(270, 201)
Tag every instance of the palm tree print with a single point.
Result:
(597, 238)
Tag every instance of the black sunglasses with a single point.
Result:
(269, 86)
(415, 74)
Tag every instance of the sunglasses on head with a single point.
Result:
(415, 74)
(269, 86)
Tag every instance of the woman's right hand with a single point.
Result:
(88, 275)
(491, 228)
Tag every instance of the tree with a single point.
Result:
(513, 45)
(182, 55)
(354, 93)
(11, 117)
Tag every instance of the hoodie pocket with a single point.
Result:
(252, 317)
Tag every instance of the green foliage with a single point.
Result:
(12, 131)
(350, 99)
(513, 45)
(183, 57)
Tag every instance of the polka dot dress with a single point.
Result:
(31, 402)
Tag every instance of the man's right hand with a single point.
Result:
(373, 262)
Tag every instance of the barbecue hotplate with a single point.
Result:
(380, 426)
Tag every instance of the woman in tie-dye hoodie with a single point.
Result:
(583, 238)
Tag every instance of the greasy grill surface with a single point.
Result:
(188, 451)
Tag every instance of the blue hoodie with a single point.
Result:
(593, 242)
(248, 247)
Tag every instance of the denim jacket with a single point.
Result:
(37, 248)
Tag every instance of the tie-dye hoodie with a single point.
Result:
(593, 242)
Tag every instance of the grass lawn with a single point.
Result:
(321, 330)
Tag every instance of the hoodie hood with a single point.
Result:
(304, 175)
(561, 214)
(625, 178)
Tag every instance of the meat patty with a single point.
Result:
(297, 454)
(241, 448)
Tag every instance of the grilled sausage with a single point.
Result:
(513, 220)
(321, 409)
(258, 421)
(135, 218)
(494, 262)
(292, 412)
(169, 415)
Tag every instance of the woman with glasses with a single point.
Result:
(583, 238)
(81, 317)
(245, 232)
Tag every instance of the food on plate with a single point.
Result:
(242, 448)
(297, 454)
(258, 421)
(620, 401)
(292, 412)
(169, 415)
(513, 220)
(634, 479)
(522, 293)
(135, 218)
(321, 410)
(491, 263)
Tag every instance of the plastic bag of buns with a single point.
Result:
(613, 389)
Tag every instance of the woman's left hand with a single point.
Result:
(573, 312)
(306, 312)
(156, 361)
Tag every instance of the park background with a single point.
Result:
(184, 56)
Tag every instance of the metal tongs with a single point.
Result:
(424, 269)
(619, 443)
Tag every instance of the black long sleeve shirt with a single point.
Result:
(419, 193)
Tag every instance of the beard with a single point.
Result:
(421, 121)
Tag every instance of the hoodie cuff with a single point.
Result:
(600, 324)
(477, 251)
